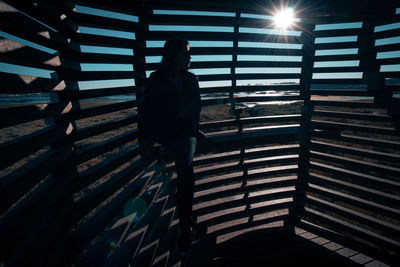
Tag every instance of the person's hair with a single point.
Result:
(170, 56)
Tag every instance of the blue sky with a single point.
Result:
(10, 68)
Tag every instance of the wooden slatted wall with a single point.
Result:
(71, 164)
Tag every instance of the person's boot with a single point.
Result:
(184, 240)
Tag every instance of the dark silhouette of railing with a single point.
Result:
(317, 183)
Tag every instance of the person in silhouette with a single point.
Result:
(169, 115)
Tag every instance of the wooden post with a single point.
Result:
(139, 51)
(234, 60)
(296, 212)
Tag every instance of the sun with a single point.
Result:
(284, 18)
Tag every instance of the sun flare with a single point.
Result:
(284, 18)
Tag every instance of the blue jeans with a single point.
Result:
(181, 150)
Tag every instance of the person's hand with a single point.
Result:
(200, 136)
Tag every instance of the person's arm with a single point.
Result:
(197, 109)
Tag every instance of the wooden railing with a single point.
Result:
(75, 188)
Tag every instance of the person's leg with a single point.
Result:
(185, 180)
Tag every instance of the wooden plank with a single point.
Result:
(352, 115)
(73, 95)
(337, 69)
(102, 128)
(324, 146)
(277, 204)
(387, 34)
(19, 182)
(354, 230)
(369, 166)
(250, 120)
(26, 30)
(107, 189)
(341, 92)
(98, 222)
(14, 84)
(98, 149)
(376, 195)
(267, 98)
(252, 88)
(229, 167)
(337, 32)
(190, 35)
(106, 41)
(95, 111)
(16, 115)
(346, 45)
(19, 54)
(18, 148)
(357, 176)
(218, 77)
(369, 141)
(387, 48)
(359, 202)
(111, 163)
(336, 57)
(344, 104)
(352, 127)
(375, 223)
(159, 19)
(130, 247)
(337, 81)
(269, 51)
(110, 23)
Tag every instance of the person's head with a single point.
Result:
(175, 56)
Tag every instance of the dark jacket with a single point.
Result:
(168, 112)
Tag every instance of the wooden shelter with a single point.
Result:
(317, 186)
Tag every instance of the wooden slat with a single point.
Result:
(110, 23)
(336, 57)
(105, 190)
(339, 92)
(353, 127)
(95, 111)
(337, 81)
(388, 228)
(93, 151)
(337, 69)
(18, 148)
(337, 32)
(106, 41)
(235, 166)
(369, 141)
(357, 176)
(387, 34)
(97, 223)
(388, 48)
(361, 164)
(344, 104)
(102, 128)
(72, 95)
(269, 51)
(17, 115)
(324, 146)
(356, 201)
(251, 120)
(267, 98)
(346, 45)
(356, 230)
(19, 182)
(14, 84)
(97, 171)
(353, 115)
(160, 19)
(363, 191)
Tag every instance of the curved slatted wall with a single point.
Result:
(301, 125)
